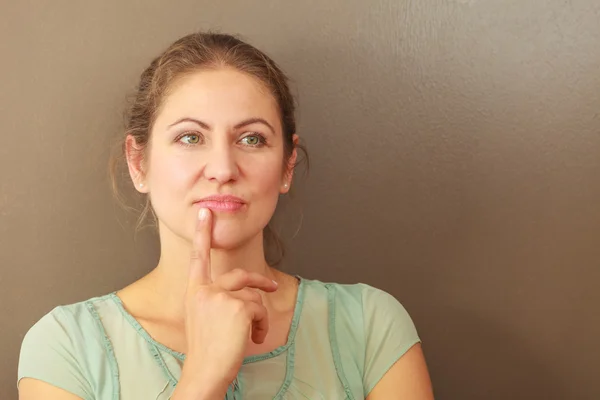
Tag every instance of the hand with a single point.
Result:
(220, 316)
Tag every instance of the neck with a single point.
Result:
(169, 279)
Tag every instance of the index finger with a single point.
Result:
(200, 271)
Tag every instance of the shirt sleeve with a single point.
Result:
(48, 354)
(389, 333)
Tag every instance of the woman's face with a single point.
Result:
(218, 133)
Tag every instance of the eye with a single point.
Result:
(254, 140)
(189, 139)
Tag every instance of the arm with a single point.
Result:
(407, 379)
(34, 389)
(395, 367)
(49, 366)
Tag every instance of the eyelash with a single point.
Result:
(262, 141)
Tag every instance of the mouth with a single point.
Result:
(221, 203)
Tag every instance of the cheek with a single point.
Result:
(170, 179)
(264, 176)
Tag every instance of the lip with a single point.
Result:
(222, 203)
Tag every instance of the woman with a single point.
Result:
(211, 142)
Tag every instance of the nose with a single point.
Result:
(221, 165)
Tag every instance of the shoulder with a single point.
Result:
(363, 307)
(369, 299)
(70, 319)
(64, 332)
(370, 328)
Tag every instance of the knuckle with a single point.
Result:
(222, 296)
(255, 297)
(241, 274)
(238, 306)
(262, 312)
(200, 295)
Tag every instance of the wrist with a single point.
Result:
(196, 383)
(198, 390)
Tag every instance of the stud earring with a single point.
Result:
(285, 185)
(141, 185)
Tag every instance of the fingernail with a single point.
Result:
(276, 284)
(202, 214)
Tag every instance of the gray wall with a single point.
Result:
(455, 148)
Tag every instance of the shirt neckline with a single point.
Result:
(247, 360)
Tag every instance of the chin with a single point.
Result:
(229, 236)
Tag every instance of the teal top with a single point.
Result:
(342, 340)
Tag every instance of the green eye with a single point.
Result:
(252, 140)
(190, 139)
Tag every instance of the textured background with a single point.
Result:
(455, 163)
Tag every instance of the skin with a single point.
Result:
(212, 294)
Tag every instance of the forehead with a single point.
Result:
(221, 95)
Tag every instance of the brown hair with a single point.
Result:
(191, 53)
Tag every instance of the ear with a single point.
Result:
(135, 163)
(289, 170)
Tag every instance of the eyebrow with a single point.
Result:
(245, 122)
